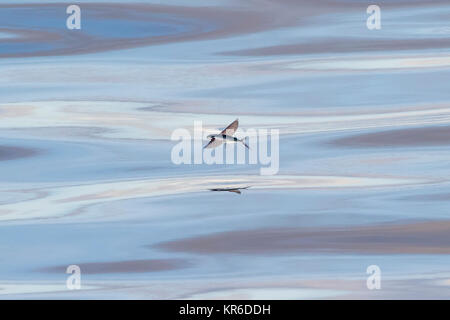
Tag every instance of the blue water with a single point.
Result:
(86, 175)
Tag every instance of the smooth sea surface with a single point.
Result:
(86, 176)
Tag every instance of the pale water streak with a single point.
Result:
(86, 176)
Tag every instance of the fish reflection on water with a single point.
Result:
(86, 118)
(234, 190)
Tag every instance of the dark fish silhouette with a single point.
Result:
(235, 190)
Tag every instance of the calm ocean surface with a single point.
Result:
(86, 176)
